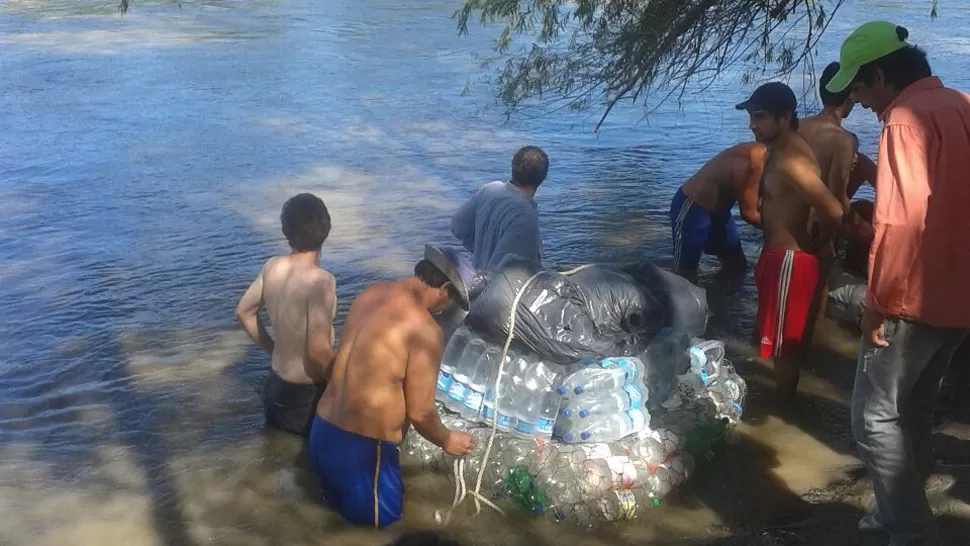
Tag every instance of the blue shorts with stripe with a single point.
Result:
(698, 231)
(360, 477)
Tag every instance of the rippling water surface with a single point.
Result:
(143, 165)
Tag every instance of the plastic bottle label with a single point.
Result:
(544, 426)
(625, 364)
(444, 381)
(504, 421)
(474, 400)
(635, 394)
(457, 390)
(627, 504)
(639, 420)
(525, 428)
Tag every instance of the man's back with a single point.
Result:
(288, 287)
(835, 152)
(499, 220)
(720, 182)
(365, 394)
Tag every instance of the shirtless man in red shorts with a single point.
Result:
(787, 273)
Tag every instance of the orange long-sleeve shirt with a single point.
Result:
(919, 264)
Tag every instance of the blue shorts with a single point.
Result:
(697, 231)
(360, 477)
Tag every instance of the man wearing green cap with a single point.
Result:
(917, 311)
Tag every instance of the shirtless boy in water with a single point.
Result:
(700, 213)
(300, 300)
(383, 381)
(787, 273)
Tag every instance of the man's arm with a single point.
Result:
(463, 223)
(420, 382)
(247, 313)
(321, 310)
(863, 172)
(903, 161)
(749, 200)
(802, 175)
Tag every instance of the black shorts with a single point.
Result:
(290, 406)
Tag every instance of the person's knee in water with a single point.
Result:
(382, 383)
(300, 300)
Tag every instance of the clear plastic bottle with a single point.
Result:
(705, 360)
(450, 360)
(532, 398)
(484, 369)
(607, 375)
(549, 405)
(625, 398)
(610, 428)
(515, 369)
(467, 362)
(728, 394)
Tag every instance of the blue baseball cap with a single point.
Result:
(773, 97)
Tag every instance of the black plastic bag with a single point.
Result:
(596, 312)
(551, 321)
(681, 304)
(618, 304)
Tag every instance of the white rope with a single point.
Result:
(461, 489)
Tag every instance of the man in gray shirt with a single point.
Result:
(502, 217)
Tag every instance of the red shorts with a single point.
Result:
(786, 281)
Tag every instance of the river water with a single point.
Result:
(143, 164)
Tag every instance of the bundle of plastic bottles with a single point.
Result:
(611, 459)
(528, 399)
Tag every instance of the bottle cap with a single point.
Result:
(585, 435)
(561, 390)
(578, 389)
(584, 413)
(566, 412)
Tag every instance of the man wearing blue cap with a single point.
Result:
(787, 273)
(382, 382)
(917, 310)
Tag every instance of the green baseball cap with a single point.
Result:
(871, 41)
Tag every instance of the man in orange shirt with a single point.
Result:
(917, 311)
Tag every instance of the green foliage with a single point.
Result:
(581, 53)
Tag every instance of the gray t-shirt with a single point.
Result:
(497, 221)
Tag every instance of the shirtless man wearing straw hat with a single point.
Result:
(382, 382)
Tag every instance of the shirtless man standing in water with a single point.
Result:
(787, 273)
(300, 300)
(843, 167)
(700, 212)
(383, 382)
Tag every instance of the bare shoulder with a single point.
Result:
(756, 154)
(798, 160)
(322, 278)
(424, 331)
(270, 264)
(844, 140)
